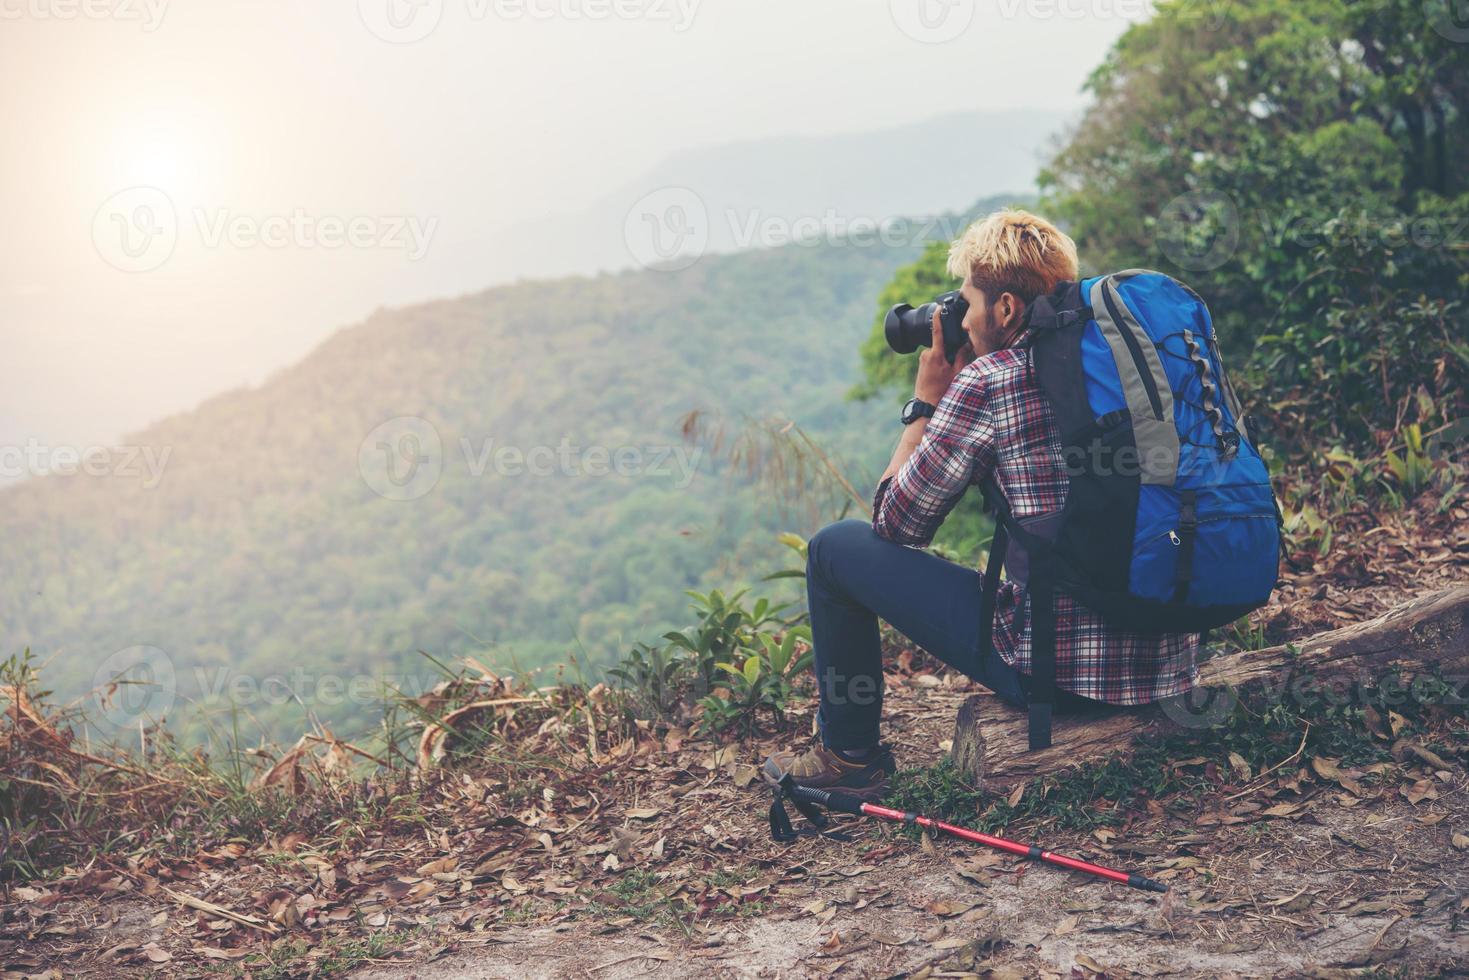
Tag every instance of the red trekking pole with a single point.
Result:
(807, 798)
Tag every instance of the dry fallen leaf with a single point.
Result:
(1326, 768)
(156, 953)
(1428, 756)
(1282, 810)
(720, 757)
(441, 866)
(1419, 791)
(215, 953)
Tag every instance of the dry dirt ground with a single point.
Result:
(1328, 890)
(1308, 879)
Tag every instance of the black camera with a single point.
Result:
(908, 329)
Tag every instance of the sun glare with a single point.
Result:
(162, 151)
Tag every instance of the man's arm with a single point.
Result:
(935, 375)
(937, 458)
(907, 445)
(956, 449)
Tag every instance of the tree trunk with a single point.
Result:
(1430, 633)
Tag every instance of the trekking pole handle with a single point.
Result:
(831, 799)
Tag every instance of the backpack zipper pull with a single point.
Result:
(1173, 536)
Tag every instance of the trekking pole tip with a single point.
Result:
(1146, 884)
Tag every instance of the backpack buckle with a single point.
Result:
(1073, 317)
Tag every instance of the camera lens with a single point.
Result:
(908, 329)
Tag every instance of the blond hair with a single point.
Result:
(1013, 251)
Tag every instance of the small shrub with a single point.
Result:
(741, 661)
(765, 681)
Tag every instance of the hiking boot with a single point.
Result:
(822, 768)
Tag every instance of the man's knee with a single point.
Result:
(825, 549)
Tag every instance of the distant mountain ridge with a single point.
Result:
(897, 173)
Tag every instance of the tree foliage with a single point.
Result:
(1301, 164)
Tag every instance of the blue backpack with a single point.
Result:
(1170, 524)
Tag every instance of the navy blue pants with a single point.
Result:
(853, 576)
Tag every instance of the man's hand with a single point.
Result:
(935, 373)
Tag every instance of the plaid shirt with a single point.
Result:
(995, 423)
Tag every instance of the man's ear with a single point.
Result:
(1011, 311)
(1011, 316)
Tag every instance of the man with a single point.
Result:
(989, 422)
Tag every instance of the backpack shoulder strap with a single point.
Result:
(1042, 651)
(990, 589)
(1041, 590)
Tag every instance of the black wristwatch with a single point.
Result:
(915, 410)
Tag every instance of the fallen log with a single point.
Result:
(1427, 634)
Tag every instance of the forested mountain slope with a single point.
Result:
(272, 539)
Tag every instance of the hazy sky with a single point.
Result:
(308, 152)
